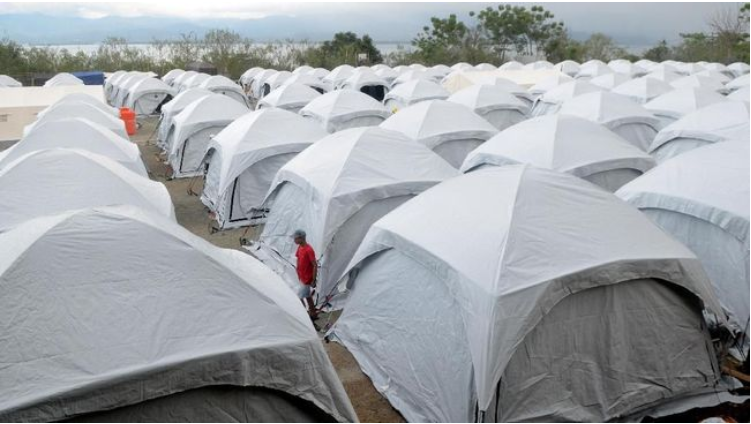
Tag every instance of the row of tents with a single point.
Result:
(111, 311)
(496, 258)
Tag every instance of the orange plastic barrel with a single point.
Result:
(129, 117)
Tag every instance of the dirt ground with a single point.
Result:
(193, 215)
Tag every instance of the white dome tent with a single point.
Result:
(192, 128)
(78, 109)
(738, 68)
(123, 88)
(194, 81)
(592, 69)
(310, 81)
(413, 92)
(551, 101)
(485, 67)
(646, 64)
(7, 81)
(568, 67)
(610, 81)
(247, 77)
(493, 103)
(222, 85)
(500, 316)
(110, 82)
(715, 123)
(147, 96)
(698, 81)
(539, 65)
(387, 74)
(449, 129)
(367, 82)
(256, 84)
(642, 89)
(170, 76)
(547, 84)
(82, 98)
(107, 337)
(625, 67)
(175, 106)
(415, 74)
(742, 94)
(319, 73)
(508, 66)
(739, 82)
(274, 81)
(77, 133)
(701, 198)
(339, 74)
(335, 189)
(664, 74)
(464, 66)
(45, 182)
(291, 97)
(567, 144)
(244, 157)
(180, 79)
(343, 109)
(63, 79)
(304, 69)
(676, 104)
(715, 75)
(618, 113)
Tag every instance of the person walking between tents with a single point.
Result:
(307, 271)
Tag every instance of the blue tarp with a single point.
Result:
(90, 77)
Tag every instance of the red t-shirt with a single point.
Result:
(306, 259)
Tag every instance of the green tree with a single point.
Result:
(518, 29)
(443, 42)
(658, 53)
(562, 47)
(602, 47)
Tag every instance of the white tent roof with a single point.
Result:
(665, 74)
(63, 78)
(289, 96)
(568, 90)
(220, 81)
(717, 122)
(319, 73)
(643, 89)
(568, 67)
(6, 81)
(611, 80)
(82, 98)
(538, 65)
(626, 67)
(277, 79)
(119, 306)
(304, 69)
(45, 182)
(741, 81)
(679, 102)
(508, 66)
(415, 74)
(485, 67)
(212, 110)
(258, 135)
(483, 98)
(699, 81)
(77, 133)
(195, 80)
(739, 68)
(339, 74)
(549, 83)
(593, 69)
(248, 75)
(511, 261)
(309, 80)
(710, 183)
(416, 91)
(741, 94)
(436, 121)
(361, 79)
(563, 143)
(461, 66)
(78, 109)
(341, 105)
(180, 79)
(347, 169)
(716, 75)
(386, 74)
(170, 76)
(147, 86)
(608, 109)
(182, 100)
(645, 64)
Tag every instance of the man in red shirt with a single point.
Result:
(307, 271)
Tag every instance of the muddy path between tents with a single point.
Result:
(193, 215)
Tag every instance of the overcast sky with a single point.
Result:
(626, 21)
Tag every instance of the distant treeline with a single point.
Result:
(493, 35)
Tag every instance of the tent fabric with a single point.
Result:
(677, 103)
(493, 103)
(625, 67)
(552, 99)
(242, 160)
(330, 182)
(191, 129)
(339, 74)
(63, 78)
(77, 133)
(343, 109)
(610, 81)
(363, 79)
(174, 107)
(6, 81)
(124, 86)
(222, 85)
(274, 81)
(739, 68)
(593, 69)
(568, 67)
(741, 94)
(256, 85)
(699, 81)
(549, 83)
(170, 76)
(304, 69)
(567, 144)
(449, 129)
(708, 185)
(83, 98)
(101, 330)
(494, 277)
(78, 109)
(642, 89)
(308, 80)
(717, 122)
(247, 77)
(147, 95)
(616, 112)
(739, 82)
(412, 92)
(45, 182)
(291, 97)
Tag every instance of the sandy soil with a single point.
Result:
(193, 215)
